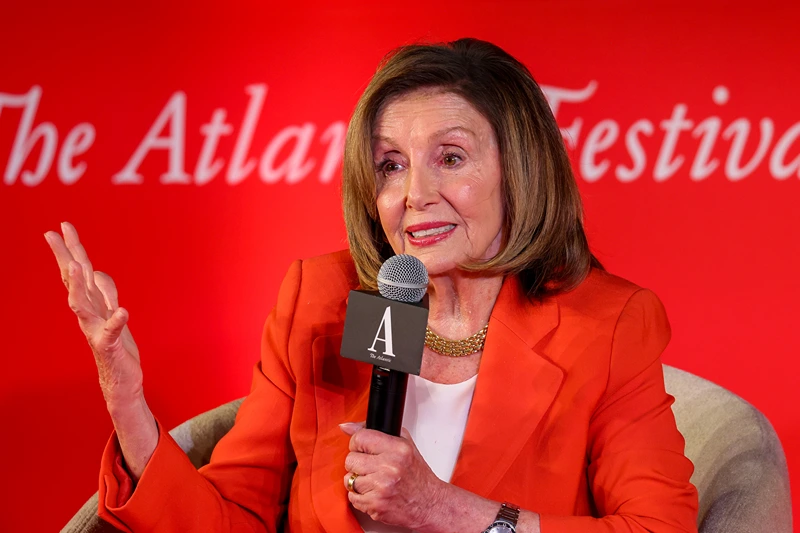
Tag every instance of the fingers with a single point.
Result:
(78, 252)
(66, 249)
(92, 295)
(376, 442)
(108, 289)
(366, 483)
(78, 298)
(361, 463)
(359, 485)
(62, 254)
(70, 249)
(87, 313)
(74, 245)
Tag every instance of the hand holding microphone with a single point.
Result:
(393, 484)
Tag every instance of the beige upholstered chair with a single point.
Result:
(740, 468)
(739, 465)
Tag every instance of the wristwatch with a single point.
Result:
(506, 520)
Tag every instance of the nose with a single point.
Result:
(421, 189)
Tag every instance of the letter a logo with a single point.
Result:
(386, 325)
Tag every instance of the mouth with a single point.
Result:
(429, 233)
(422, 233)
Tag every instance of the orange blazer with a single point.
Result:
(569, 419)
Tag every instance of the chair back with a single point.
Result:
(739, 466)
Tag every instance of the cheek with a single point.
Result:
(479, 202)
(390, 211)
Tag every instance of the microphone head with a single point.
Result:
(403, 278)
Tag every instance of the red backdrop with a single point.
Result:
(197, 149)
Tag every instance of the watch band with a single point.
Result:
(510, 512)
(506, 519)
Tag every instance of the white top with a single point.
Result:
(435, 415)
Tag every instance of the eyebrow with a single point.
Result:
(445, 131)
(434, 135)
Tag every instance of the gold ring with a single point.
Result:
(351, 482)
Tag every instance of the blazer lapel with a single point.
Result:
(515, 388)
(341, 390)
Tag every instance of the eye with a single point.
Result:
(450, 159)
(387, 167)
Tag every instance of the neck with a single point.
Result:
(461, 302)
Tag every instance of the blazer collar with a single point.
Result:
(515, 387)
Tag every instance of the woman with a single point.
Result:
(558, 423)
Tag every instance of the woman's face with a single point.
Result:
(438, 173)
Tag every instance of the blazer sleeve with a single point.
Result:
(638, 473)
(245, 487)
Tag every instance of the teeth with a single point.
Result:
(432, 231)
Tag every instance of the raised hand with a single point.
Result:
(93, 298)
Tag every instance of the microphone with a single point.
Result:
(388, 331)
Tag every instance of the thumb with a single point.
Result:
(349, 428)
(113, 326)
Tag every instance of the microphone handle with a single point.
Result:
(387, 400)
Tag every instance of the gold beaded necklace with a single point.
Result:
(451, 348)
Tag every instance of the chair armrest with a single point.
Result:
(197, 437)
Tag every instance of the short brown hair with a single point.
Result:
(543, 236)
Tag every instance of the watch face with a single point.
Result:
(501, 528)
